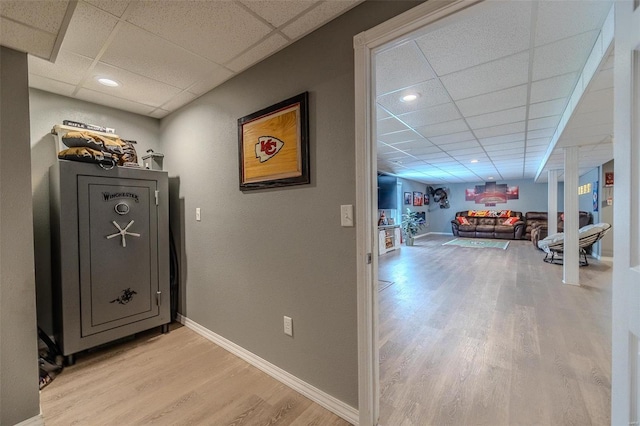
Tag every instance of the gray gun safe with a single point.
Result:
(110, 252)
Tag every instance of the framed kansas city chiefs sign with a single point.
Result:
(274, 145)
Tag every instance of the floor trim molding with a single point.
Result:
(439, 233)
(33, 421)
(327, 401)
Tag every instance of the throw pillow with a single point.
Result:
(511, 221)
(462, 220)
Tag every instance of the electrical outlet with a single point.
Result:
(288, 326)
(198, 214)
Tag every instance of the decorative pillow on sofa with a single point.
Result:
(511, 221)
(462, 220)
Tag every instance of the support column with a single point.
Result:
(552, 202)
(571, 223)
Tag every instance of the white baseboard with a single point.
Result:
(421, 236)
(33, 421)
(327, 401)
(607, 259)
(440, 233)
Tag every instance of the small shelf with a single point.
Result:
(388, 238)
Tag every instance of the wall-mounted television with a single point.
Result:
(387, 192)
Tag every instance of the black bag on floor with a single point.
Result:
(50, 359)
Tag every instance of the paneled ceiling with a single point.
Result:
(493, 84)
(164, 54)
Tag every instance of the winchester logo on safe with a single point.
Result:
(267, 147)
(111, 195)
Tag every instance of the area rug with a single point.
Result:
(478, 243)
(382, 284)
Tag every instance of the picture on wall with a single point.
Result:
(426, 199)
(417, 198)
(492, 193)
(595, 196)
(407, 198)
(273, 145)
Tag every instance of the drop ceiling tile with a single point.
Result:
(596, 101)
(114, 102)
(497, 118)
(489, 32)
(49, 85)
(69, 67)
(278, 12)
(495, 101)
(553, 88)
(133, 86)
(452, 138)
(539, 142)
(432, 115)
(381, 113)
(543, 123)
(415, 144)
(234, 28)
(513, 153)
(430, 93)
(497, 75)
(316, 17)
(214, 78)
(114, 7)
(514, 137)
(564, 56)
(443, 128)
(148, 55)
(88, 30)
(419, 152)
(561, 19)
(265, 48)
(403, 136)
(389, 125)
(22, 38)
(383, 148)
(587, 119)
(548, 108)
(542, 133)
(179, 100)
(469, 146)
(492, 149)
(47, 16)
(602, 80)
(505, 129)
(390, 77)
(159, 113)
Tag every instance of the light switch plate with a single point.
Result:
(346, 215)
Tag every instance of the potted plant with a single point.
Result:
(410, 225)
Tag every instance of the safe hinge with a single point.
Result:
(157, 198)
(369, 259)
(158, 298)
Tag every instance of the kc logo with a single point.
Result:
(267, 147)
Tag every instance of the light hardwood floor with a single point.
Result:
(472, 336)
(175, 379)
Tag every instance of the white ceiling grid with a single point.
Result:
(163, 53)
(493, 83)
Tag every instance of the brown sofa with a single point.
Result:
(488, 227)
(537, 224)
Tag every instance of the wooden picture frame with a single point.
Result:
(273, 145)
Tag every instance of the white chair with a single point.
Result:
(553, 245)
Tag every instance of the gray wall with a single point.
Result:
(411, 186)
(19, 397)
(606, 212)
(533, 197)
(257, 256)
(47, 110)
(585, 201)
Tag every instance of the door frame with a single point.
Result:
(390, 33)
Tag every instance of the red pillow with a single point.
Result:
(511, 221)
(462, 220)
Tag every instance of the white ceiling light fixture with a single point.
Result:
(474, 161)
(410, 97)
(490, 178)
(107, 82)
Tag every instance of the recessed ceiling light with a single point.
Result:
(410, 97)
(474, 161)
(108, 82)
(490, 177)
